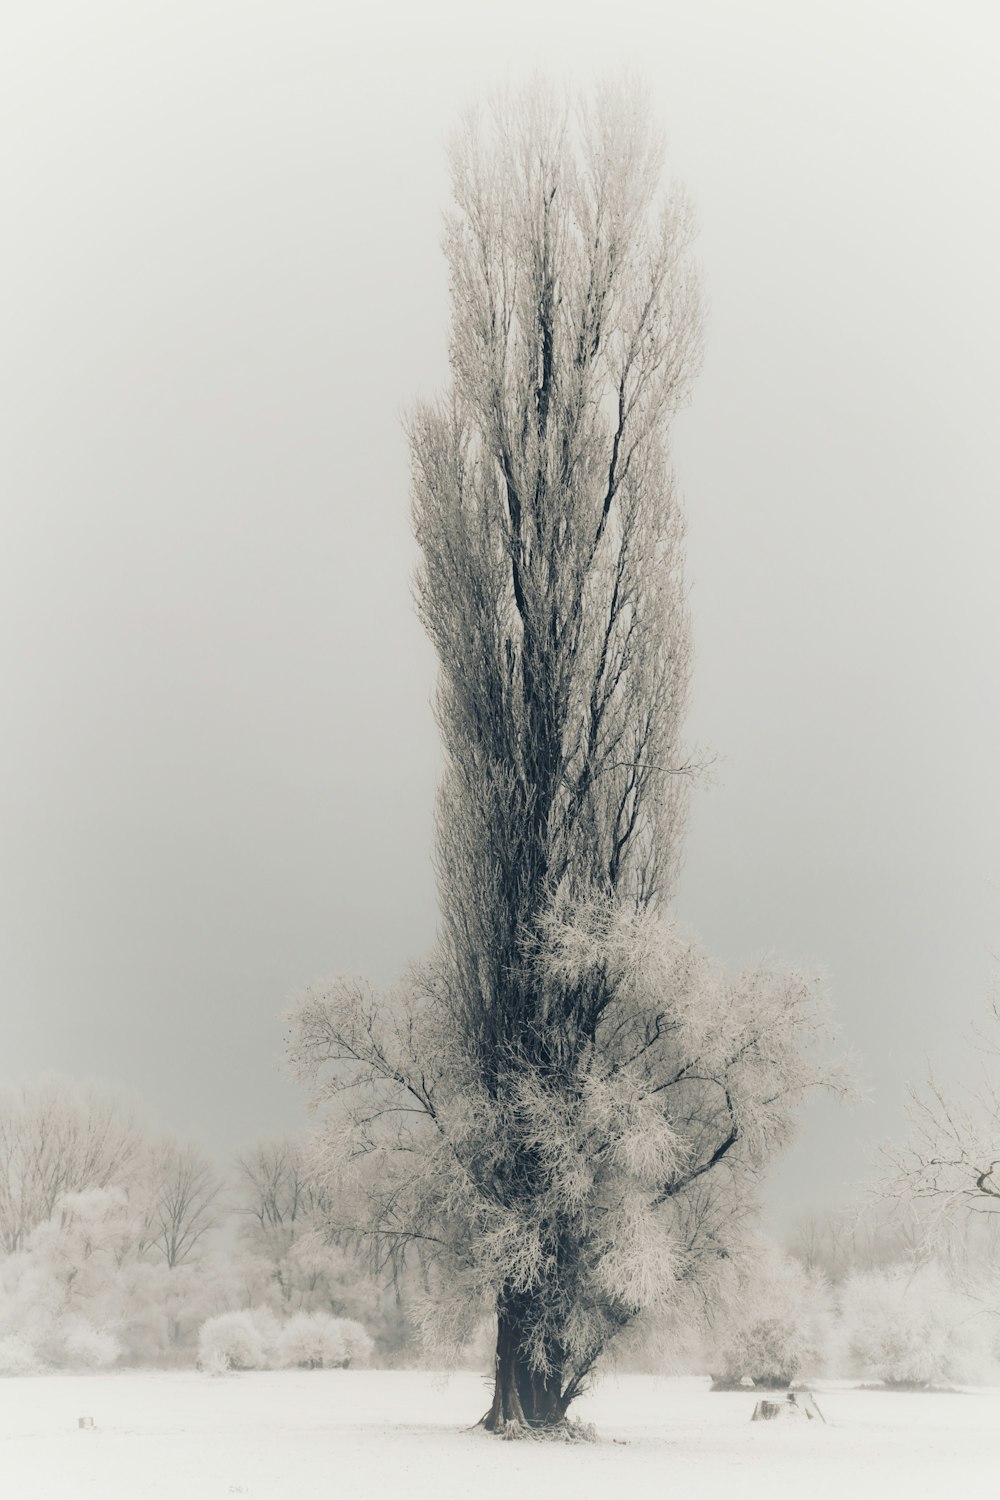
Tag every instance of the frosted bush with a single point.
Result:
(66, 1290)
(30, 1300)
(910, 1327)
(87, 1348)
(236, 1341)
(37, 1312)
(313, 1341)
(767, 1351)
(778, 1328)
(319, 1341)
(17, 1357)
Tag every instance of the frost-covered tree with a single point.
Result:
(282, 1216)
(777, 1326)
(951, 1157)
(911, 1327)
(58, 1136)
(874, 1233)
(98, 1221)
(183, 1200)
(275, 1194)
(560, 1111)
(66, 1292)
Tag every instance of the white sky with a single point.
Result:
(221, 283)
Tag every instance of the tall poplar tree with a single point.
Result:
(562, 1108)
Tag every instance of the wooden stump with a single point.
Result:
(795, 1404)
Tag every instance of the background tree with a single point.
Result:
(275, 1193)
(279, 1206)
(106, 1238)
(298, 1270)
(559, 1106)
(877, 1232)
(951, 1158)
(183, 1204)
(911, 1326)
(779, 1324)
(58, 1136)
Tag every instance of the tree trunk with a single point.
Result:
(522, 1396)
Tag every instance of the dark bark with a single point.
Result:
(522, 1396)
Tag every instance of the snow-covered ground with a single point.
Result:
(355, 1434)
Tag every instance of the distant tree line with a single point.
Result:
(118, 1244)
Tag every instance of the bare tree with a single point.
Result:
(57, 1137)
(276, 1193)
(183, 1205)
(877, 1232)
(952, 1156)
(558, 1106)
(282, 1210)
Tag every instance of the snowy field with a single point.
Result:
(360, 1434)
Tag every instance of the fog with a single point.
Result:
(221, 287)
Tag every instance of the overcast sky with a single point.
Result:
(220, 286)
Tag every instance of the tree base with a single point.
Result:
(566, 1430)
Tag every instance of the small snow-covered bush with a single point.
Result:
(910, 1327)
(778, 1328)
(313, 1341)
(767, 1351)
(319, 1341)
(236, 1341)
(85, 1347)
(17, 1357)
